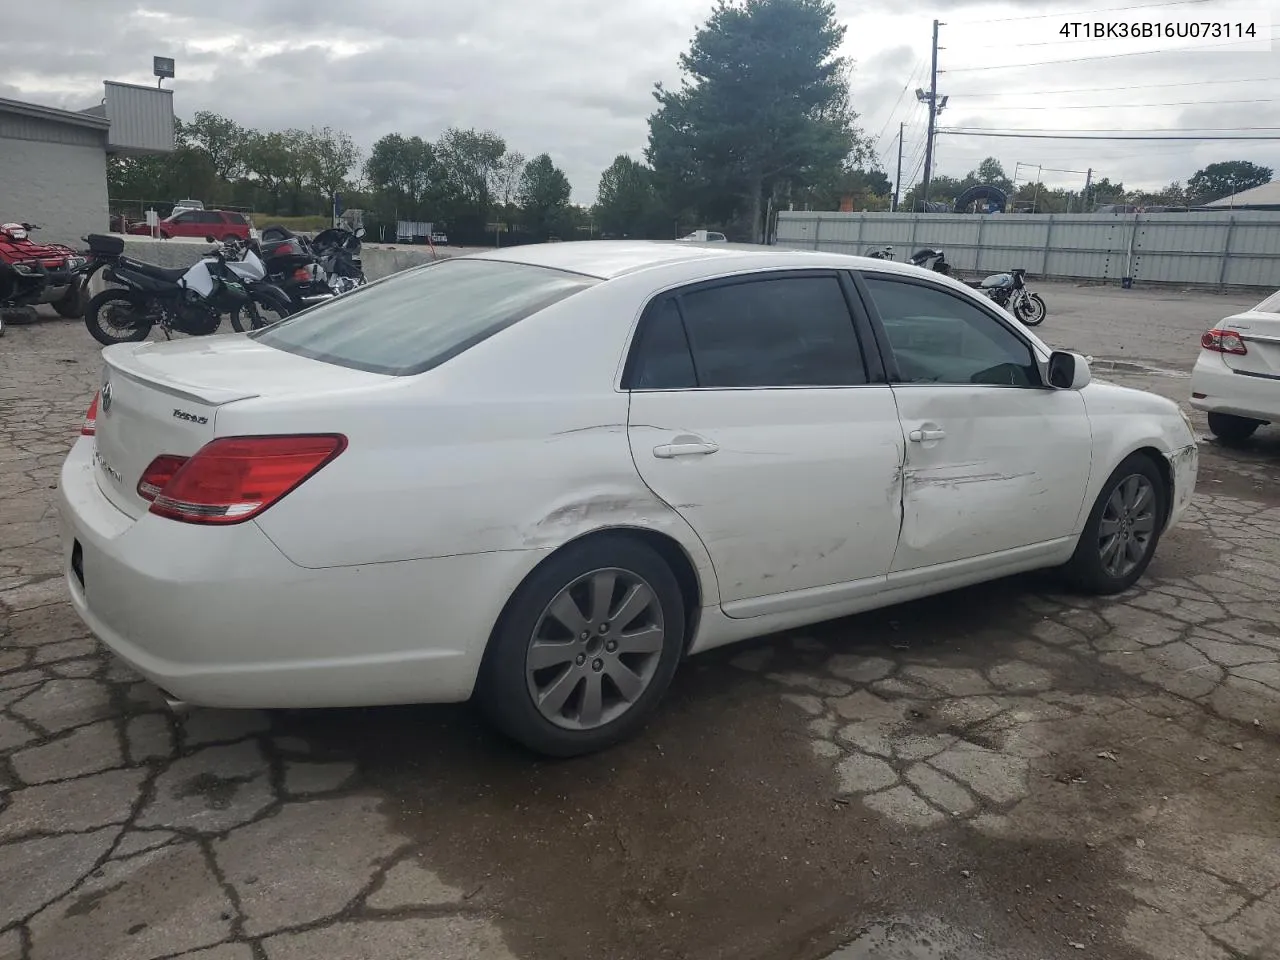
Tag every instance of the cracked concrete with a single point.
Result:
(1007, 772)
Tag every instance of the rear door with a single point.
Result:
(756, 415)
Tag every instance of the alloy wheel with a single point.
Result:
(1128, 525)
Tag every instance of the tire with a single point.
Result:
(250, 316)
(100, 326)
(570, 721)
(72, 306)
(1232, 429)
(1031, 311)
(1103, 562)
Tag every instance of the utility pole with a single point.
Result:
(935, 107)
(1088, 182)
(897, 183)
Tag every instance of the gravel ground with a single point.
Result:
(1004, 772)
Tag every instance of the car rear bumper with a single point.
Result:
(1223, 390)
(220, 617)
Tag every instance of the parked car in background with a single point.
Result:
(220, 224)
(1236, 379)
(182, 205)
(784, 437)
(705, 236)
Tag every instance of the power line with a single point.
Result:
(1068, 13)
(1074, 136)
(1125, 130)
(893, 112)
(1127, 86)
(1123, 106)
(1101, 56)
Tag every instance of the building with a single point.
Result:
(53, 163)
(1265, 197)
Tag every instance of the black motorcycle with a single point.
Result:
(294, 266)
(338, 250)
(1010, 291)
(931, 259)
(188, 300)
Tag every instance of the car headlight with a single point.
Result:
(75, 263)
(22, 268)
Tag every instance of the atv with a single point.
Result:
(34, 273)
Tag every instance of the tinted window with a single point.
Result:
(236, 218)
(418, 319)
(785, 332)
(938, 337)
(187, 216)
(208, 216)
(663, 360)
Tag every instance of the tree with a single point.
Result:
(331, 155)
(401, 171)
(626, 202)
(990, 171)
(505, 179)
(1219, 180)
(223, 140)
(763, 107)
(942, 189)
(544, 196)
(468, 160)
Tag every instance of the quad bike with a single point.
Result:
(34, 273)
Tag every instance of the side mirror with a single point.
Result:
(360, 233)
(1068, 371)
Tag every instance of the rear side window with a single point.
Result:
(777, 332)
(663, 360)
(418, 319)
(236, 218)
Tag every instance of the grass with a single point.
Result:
(296, 224)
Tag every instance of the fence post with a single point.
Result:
(1226, 253)
(817, 229)
(862, 219)
(1044, 260)
(977, 244)
(911, 241)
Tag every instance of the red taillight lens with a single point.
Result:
(236, 478)
(158, 474)
(90, 425)
(1223, 341)
(302, 273)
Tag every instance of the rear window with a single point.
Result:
(1269, 305)
(418, 319)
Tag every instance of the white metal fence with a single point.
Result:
(1240, 248)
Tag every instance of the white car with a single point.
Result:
(543, 475)
(704, 236)
(1236, 379)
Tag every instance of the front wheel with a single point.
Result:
(1232, 429)
(71, 307)
(585, 649)
(256, 314)
(1124, 526)
(117, 316)
(1031, 310)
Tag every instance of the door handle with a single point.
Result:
(701, 448)
(920, 436)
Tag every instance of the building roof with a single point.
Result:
(71, 117)
(1267, 195)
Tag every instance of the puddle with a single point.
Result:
(917, 940)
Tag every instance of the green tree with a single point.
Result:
(468, 160)
(331, 155)
(223, 140)
(990, 171)
(942, 189)
(1219, 180)
(763, 106)
(626, 202)
(544, 197)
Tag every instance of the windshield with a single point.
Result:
(1269, 305)
(418, 319)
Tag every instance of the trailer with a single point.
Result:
(413, 231)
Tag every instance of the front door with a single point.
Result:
(753, 416)
(995, 461)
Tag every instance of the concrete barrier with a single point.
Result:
(380, 260)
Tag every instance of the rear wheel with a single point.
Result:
(116, 316)
(256, 314)
(585, 649)
(1232, 429)
(1124, 526)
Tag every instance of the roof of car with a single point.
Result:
(607, 259)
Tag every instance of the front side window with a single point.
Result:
(418, 319)
(938, 337)
(774, 332)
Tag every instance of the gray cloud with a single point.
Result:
(573, 77)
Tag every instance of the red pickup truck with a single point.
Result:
(219, 224)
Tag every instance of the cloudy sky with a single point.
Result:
(573, 77)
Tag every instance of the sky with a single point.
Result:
(573, 78)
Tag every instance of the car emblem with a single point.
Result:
(105, 399)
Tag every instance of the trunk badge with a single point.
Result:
(105, 397)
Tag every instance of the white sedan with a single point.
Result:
(544, 475)
(1236, 379)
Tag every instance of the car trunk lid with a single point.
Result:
(163, 398)
(1261, 334)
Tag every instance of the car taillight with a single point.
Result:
(158, 474)
(1223, 341)
(90, 425)
(302, 273)
(234, 479)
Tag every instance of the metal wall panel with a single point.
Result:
(141, 118)
(1238, 248)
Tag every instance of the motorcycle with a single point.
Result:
(294, 267)
(1010, 291)
(339, 252)
(931, 259)
(244, 259)
(34, 273)
(881, 253)
(188, 300)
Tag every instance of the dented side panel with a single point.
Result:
(1009, 468)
